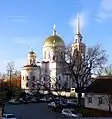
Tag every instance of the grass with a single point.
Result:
(88, 112)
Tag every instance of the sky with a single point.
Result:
(27, 23)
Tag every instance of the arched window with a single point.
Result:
(66, 78)
(30, 61)
(26, 77)
(59, 78)
(33, 61)
(76, 40)
(33, 85)
(44, 78)
(33, 77)
(54, 57)
(57, 58)
(27, 84)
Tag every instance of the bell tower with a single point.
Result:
(78, 47)
(31, 59)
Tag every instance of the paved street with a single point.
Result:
(32, 111)
(37, 111)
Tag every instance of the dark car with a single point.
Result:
(25, 102)
(34, 100)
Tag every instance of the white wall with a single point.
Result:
(26, 72)
(95, 101)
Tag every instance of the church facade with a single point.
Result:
(49, 73)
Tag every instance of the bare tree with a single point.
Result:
(82, 66)
(44, 83)
(10, 71)
(108, 70)
(2, 78)
(108, 97)
(108, 100)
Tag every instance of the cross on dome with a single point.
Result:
(54, 29)
(31, 49)
(54, 26)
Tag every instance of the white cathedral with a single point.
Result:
(48, 72)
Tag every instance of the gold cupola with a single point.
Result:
(50, 40)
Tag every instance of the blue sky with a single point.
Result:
(26, 23)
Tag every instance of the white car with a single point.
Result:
(33, 100)
(8, 116)
(71, 102)
(21, 99)
(71, 113)
(43, 100)
(52, 104)
(13, 101)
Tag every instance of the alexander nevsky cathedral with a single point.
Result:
(38, 75)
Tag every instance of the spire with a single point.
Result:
(54, 30)
(78, 25)
(78, 36)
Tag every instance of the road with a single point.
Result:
(32, 111)
(37, 111)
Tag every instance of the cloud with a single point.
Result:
(106, 5)
(17, 18)
(105, 10)
(83, 21)
(19, 63)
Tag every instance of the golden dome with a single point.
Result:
(31, 53)
(56, 40)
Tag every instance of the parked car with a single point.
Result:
(8, 116)
(71, 104)
(52, 105)
(71, 113)
(14, 101)
(44, 100)
(25, 101)
(63, 104)
(21, 100)
(57, 105)
(34, 100)
(50, 99)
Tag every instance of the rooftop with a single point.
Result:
(100, 86)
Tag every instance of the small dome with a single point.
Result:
(31, 53)
(54, 39)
